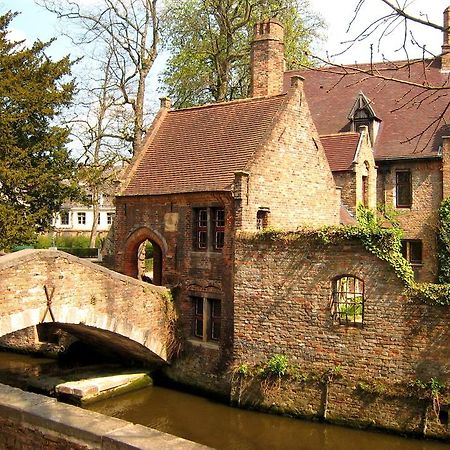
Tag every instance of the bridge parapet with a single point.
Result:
(86, 300)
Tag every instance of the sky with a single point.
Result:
(35, 23)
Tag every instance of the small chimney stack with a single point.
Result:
(267, 59)
(445, 57)
(165, 102)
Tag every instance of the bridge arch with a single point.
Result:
(90, 325)
(85, 299)
(131, 249)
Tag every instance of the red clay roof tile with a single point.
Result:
(405, 111)
(199, 149)
(340, 150)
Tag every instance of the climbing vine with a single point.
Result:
(379, 233)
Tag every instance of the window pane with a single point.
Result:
(202, 239)
(220, 237)
(220, 217)
(415, 252)
(215, 308)
(403, 189)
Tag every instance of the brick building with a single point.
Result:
(407, 133)
(296, 154)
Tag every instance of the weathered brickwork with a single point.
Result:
(421, 220)
(267, 59)
(290, 175)
(188, 272)
(86, 300)
(282, 306)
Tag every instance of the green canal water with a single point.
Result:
(220, 426)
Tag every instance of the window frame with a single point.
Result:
(407, 251)
(207, 316)
(110, 218)
(401, 185)
(208, 226)
(340, 309)
(64, 214)
(81, 218)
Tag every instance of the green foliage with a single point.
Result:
(209, 43)
(444, 242)
(36, 172)
(278, 366)
(64, 241)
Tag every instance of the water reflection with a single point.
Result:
(215, 424)
(222, 427)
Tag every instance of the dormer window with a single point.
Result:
(363, 114)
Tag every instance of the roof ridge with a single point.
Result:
(389, 65)
(339, 134)
(231, 102)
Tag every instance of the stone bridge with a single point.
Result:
(90, 302)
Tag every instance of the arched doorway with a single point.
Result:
(142, 246)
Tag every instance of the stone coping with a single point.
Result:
(16, 258)
(96, 431)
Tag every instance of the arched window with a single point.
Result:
(348, 300)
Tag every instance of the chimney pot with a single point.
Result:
(165, 102)
(267, 59)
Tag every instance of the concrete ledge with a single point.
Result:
(94, 430)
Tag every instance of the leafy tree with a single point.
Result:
(36, 171)
(209, 43)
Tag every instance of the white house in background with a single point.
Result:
(76, 218)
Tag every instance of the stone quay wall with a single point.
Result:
(35, 422)
(364, 375)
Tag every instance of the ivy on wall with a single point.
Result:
(380, 234)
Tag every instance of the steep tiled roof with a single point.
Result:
(199, 149)
(340, 149)
(331, 97)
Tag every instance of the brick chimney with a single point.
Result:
(267, 59)
(445, 58)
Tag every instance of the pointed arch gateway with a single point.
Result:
(133, 247)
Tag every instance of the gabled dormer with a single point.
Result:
(363, 114)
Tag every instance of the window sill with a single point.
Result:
(208, 344)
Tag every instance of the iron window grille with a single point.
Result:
(348, 300)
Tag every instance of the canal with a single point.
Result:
(217, 425)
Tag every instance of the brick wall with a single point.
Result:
(85, 299)
(421, 220)
(34, 422)
(282, 306)
(189, 272)
(290, 174)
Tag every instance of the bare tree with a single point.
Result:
(129, 29)
(397, 18)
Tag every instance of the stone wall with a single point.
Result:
(34, 422)
(283, 292)
(421, 220)
(87, 300)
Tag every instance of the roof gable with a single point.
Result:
(341, 150)
(405, 110)
(199, 149)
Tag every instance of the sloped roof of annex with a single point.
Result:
(405, 110)
(199, 149)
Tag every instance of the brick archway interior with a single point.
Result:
(132, 245)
